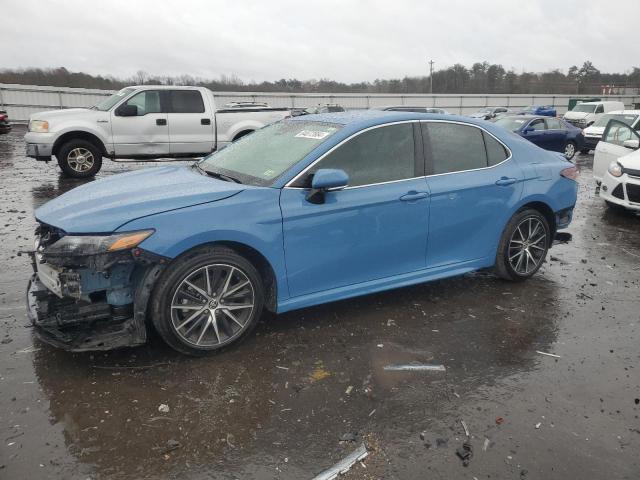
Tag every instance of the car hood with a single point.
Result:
(63, 114)
(105, 205)
(594, 131)
(631, 161)
(576, 115)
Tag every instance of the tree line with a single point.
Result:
(481, 77)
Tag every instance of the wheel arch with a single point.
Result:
(82, 135)
(546, 210)
(242, 133)
(256, 257)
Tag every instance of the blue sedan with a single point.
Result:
(309, 210)
(549, 133)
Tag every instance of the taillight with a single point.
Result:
(571, 173)
(3, 117)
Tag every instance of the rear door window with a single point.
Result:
(185, 101)
(554, 124)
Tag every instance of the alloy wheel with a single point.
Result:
(80, 159)
(569, 150)
(527, 246)
(212, 305)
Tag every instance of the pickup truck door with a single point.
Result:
(191, 126)
(145, 133)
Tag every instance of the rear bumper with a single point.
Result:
(591, 142)
(81, 326)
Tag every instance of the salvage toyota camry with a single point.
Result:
(305, 211)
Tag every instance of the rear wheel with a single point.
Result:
(523, 246)
(569, 150)
(208, 300)
(79, 159)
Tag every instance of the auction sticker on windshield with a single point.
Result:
(313, 134)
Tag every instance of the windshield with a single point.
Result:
(260, 158)
(512, 124)
(629, 119)
(485, 110)
(584, 107)
(530, 108)
(109, 102)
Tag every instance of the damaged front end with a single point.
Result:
(90, 292)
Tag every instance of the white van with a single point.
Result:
(586, 113)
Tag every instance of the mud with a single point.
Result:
(277, 405)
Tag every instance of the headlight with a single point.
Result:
(39, 126)
(96, 244)
(615, 169)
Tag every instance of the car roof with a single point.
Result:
(526, 117)
(359, 119)
(624, 112)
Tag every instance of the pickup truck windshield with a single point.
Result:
(109, 102)
(584, 108)
(261, 157)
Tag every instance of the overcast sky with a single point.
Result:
(345, 40)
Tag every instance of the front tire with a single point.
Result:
(207, 300)
(79, 159)
(569, 150)
(523, 245)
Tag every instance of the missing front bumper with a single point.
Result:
(82, 326)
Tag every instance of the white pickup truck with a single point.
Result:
(144, 123)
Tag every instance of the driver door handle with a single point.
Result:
(505, 181)
(413, 196)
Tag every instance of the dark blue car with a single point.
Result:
(542, 110)
(305, 211)
(549, 133)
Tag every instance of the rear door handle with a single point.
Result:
(413, 196)
(505, 181)
(161, 121)
(205, 121)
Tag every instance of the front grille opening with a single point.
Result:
(633, 192)
(617, 192)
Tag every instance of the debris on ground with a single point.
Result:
(343, 465)
(464, 425)
(548, 354)
(441, 442)
(349, 390)
(348, 437)
(499, 421)
(318, 374)
(538, 425)
(415, 367)
(171, 445)
(465, 453)
(164, 408)
(486, 444)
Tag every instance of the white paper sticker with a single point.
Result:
(312, 134)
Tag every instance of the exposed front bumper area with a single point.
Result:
(564, 217)
(80, 326)
(591, 142)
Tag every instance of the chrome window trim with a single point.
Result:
(456, 122)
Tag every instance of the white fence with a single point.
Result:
(20, 101)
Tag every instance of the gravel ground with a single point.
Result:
(278, 405)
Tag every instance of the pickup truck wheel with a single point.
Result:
(79, 159)
(207, 300)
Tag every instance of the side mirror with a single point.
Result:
(527, 130)
(324, 180)
(633, 144)
(127, 111)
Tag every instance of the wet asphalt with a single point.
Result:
(278, 405)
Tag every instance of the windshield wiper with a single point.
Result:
(219, 176)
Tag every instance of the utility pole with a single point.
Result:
(431, 62)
